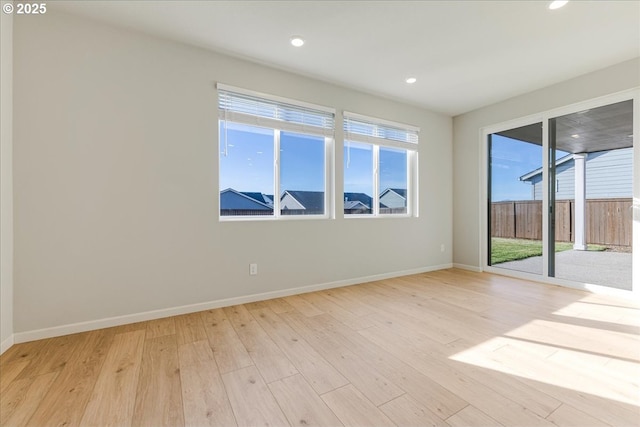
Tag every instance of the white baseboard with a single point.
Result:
(467, 267)
(91, 325)
(4, 345)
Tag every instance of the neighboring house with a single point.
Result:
(393, 198)
(302, 202)
(609, 175)
(363, 198)
(261, 197)
(234, 202)
(350, 205)
(357, 203)
(354, 207)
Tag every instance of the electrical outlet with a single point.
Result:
(442, 247)
(253, 269)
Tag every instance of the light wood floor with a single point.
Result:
(448, 348)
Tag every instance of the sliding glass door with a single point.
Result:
(591, 193)
(515, 203)
(560, 196)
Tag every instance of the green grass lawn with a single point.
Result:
(503, 250)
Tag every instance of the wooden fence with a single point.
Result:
(609, 221)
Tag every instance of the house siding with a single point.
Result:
(288, 202)
(609, 176)
(393, 200)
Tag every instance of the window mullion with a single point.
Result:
(415, 186)
(329, 160)
(375, 209)
(410, 183)
(276, 173)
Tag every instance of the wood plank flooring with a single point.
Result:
(447, 348)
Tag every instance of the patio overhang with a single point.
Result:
(599, 129)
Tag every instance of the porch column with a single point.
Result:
(580, 226)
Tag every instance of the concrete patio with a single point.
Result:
(612, 269)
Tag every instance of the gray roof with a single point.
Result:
(261, 197)
(359, 197)
(311, 200)
(527, 176)
(231, 199)
(402, 192)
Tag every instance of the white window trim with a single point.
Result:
(277, 215)
(278, 126)
(411, 149)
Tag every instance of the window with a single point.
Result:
(379, 165)
(273, 156)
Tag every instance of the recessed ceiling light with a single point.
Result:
(297, 41)
(411, 80)
(557, 4)
(575, 136)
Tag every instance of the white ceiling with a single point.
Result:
(465, 54)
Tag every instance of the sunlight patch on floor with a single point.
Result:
(584, 372)
(580, 338)
(621, 315)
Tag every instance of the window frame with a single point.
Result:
(277, 127)
(377, 140)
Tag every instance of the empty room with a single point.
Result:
(329, 213)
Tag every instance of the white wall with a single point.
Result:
(6, 182)
(466, 143)
(116, 186)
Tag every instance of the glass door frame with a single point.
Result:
(548, 260)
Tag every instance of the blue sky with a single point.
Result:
(510, 159)
(301, 165)
(358, 168)
(248, 162)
